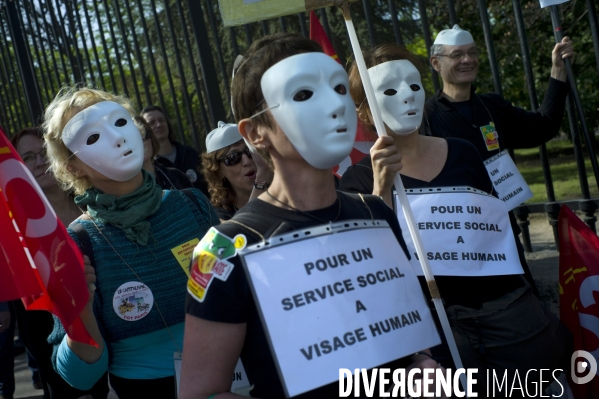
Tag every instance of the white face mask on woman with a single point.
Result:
(105, 138)
(308, 95)
(400, 95)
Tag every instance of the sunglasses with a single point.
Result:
(234, 158)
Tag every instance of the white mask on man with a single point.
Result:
(105, 138)
(308, 95)
(400, 95)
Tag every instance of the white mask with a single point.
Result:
(308, 95)
(105, 138)
(400, 95)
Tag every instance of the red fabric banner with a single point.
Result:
(579, 291)
(40, 263)
(364, 139)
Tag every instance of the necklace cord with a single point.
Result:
(140, 280)
(306, 213)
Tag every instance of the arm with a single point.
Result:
(210, 353)
(526, 129)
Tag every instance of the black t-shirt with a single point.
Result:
(224, 214)
(231, 301)
(463, 167)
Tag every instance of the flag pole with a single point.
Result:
(403, 198)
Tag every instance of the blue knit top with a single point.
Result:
(177, 222)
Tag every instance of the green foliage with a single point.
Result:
(173, 77)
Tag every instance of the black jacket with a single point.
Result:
(516, 128)
(188, 162)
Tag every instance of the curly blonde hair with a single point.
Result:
(69, 101)
(222, 194)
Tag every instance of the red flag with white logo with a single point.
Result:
(364, 140)
(39, 262)
(579, 295)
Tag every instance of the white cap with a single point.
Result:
(454, 37)
(223, 136)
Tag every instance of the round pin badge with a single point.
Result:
(133, 301)
(192, 175)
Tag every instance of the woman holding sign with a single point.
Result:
(496, 320)
(292, 103)
(135, 232)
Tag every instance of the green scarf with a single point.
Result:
(128, 212)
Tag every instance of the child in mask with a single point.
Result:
(496, 320)
(292, 104)
(132, 229)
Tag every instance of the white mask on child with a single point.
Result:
(105, 138)
(400, 95)
(308, 95)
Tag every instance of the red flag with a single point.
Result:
(364, 140)
(579, 291)
(40, 263)
(318, 34)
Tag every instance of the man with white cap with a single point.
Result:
(488, 121)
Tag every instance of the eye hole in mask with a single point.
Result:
(120, 122)
(390, 92)
(341, 89)
(93, 138)
(303, 95)
(414, 87)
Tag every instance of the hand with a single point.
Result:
(90, 279)
(386, 163)
(4, 321)
(561, 51)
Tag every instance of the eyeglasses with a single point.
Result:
(31, 157)
(234, 158)
(458, 55)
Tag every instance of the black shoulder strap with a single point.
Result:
(85, 243)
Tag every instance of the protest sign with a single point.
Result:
(507, 181)
(465, 232)
(337, 296)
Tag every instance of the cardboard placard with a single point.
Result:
(507, 181)
(341, 295)
(464, 231)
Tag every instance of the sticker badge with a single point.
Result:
(133, 301)
(183, 254)
(490, 136)
(209, 261)
(192, 175)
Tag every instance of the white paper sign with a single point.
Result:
(547, 3)
(507, 181)
(465, 232)
(341, 296)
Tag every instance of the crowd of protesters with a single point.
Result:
(131, 196)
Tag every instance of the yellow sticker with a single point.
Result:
(183, 254)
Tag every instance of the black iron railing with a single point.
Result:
(177, 54)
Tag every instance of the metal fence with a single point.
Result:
(177, 54)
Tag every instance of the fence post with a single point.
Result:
(28, 78)
(215, 101)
